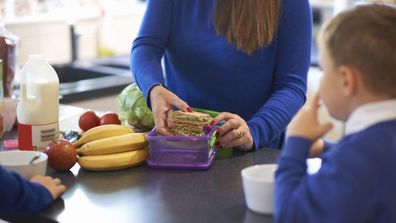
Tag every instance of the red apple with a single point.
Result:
(110, 118)
(62, 155)
(88, 120)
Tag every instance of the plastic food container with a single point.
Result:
(181, 152)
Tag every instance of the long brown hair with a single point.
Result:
(249, 24)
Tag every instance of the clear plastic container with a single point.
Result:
(181, 152)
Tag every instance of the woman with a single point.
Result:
(248, 58)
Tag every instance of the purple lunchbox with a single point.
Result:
(181, 152)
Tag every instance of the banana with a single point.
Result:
(114, 144)
(113, 161)
(102, 131)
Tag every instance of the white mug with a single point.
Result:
(258, 187)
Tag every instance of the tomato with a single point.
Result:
(88, 120)
(110, 118)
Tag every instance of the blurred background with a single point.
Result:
(100, 28)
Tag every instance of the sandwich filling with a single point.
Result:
(189, 123)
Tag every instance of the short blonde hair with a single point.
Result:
(365, 38)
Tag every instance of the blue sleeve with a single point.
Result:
(292, 64)
(150, 44)
(334, 194)
(327, 145)
(19, 196)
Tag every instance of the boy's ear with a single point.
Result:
(348, 80)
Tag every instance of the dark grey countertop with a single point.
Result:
(142, 194)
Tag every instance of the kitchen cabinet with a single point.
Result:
(52, 39)
(50, 34)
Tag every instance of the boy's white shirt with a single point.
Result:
(369, 114)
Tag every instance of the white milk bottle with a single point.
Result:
(38, 108)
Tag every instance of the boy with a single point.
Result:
(19, 196)
(357, 179)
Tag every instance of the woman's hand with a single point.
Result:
(162, 103)
(234, 133)
(53, 185)
(306, 124)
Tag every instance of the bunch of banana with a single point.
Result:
(102, 131)
(114, 161)
(111, 147)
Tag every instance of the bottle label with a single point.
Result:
(36, 137)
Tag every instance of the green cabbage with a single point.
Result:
(134, 109)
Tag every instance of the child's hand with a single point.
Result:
(316, 148)
(53, 185)
(305, 123)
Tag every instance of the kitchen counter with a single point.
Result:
(143, 194)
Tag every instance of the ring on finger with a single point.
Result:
(238, 132)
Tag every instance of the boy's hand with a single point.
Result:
(305, 123)
(316, 148)
(53, 185)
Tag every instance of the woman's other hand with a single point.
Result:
(53, 185)
(234, 133)
(162, 103)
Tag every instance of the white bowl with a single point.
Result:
(19, 161)
(258, 187)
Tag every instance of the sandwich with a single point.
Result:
(189, 123)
